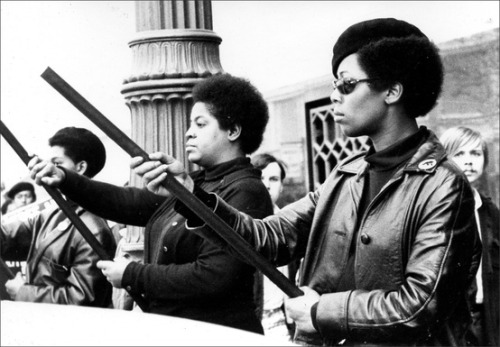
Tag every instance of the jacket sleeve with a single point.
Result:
(80, 283)
(126, 205)
(212, 274)
(280, 238)
(16, 238)
(435, 279)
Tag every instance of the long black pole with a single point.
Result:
(178, 190)
(5, 269)
(64, 205)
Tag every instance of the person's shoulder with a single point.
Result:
(488, 204)
(242, 177)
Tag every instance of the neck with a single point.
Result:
(398, 127)
(224, 157)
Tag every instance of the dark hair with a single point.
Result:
(261, 161)
(5, 205)
(21, 187)
(233, 100)
(80, 144)
(412, 61)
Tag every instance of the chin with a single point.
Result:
(193, 158)
(350, 132)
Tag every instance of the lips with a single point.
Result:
(337, 116)
(190, 147)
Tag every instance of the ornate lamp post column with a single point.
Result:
(173, 49)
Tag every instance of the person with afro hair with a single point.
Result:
(60, 264)
(388, 239)
(184, 275)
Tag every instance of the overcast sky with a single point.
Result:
(272, 43)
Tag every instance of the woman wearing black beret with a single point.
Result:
(386, 239)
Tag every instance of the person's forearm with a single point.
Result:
(131, 206)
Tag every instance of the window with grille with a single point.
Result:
(326, 144)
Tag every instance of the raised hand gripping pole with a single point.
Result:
(233, 239)
(64, 205)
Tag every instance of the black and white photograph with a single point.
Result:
(249, 173)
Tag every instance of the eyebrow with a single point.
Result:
(195, 118)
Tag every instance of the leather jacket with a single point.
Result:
(413, 252)
(61, 265)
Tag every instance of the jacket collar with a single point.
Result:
(59, 225)
(427, 158)
(227, 172)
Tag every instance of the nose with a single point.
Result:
(467, 159)
(266, 183)
(335, 96)
(189, 133)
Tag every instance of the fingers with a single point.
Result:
(155, 184)
(104, 264)
(44, 172)
(136, 161)
(153, 174)
(163, 157)
(35, 160)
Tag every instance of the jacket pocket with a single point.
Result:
(53, 273)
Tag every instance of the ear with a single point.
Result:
(81, 167)
(234, 132)
(394, 93)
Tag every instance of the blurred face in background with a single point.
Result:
(470, 158)
(23, 198)
(271, 177)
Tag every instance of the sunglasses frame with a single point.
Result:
(342, 83)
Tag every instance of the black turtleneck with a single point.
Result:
(383, 164)
(381, 167)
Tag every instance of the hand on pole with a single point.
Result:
(155, 171)
(113, 270)
(45, 172)
(299, 309)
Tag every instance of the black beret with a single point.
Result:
(20, 187)
(359, 35)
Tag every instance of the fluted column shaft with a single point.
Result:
(173, 49)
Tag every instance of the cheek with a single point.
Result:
(459, 162)
(479, 165)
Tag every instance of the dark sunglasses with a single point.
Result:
(347, 85)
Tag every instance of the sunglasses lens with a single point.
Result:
(346, 87)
